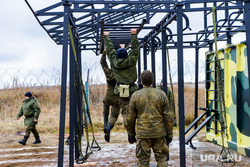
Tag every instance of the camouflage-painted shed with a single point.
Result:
(234, 76)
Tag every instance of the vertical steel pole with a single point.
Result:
(153, 60)
(72, 108)
(145, 57)
(139, 65)
(247, 24)
(63, 83)
(79, 98)
(205, 20)
(164, 62)
(210, 46)
(215, 5)
(229, 38)
(164, 58)
(97, 38)
(75, 97)
(196, 84)
(181, 84)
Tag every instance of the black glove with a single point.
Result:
(169, 140)
(131, 139)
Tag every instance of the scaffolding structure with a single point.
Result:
(89, 18)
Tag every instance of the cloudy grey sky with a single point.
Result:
(24, 43)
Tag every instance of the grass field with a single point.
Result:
(49, 100)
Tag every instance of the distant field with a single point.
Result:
(49, 100)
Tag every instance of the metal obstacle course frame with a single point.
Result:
(89, 18)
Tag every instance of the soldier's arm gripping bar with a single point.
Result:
(139, 29)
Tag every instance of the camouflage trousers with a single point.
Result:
(31, 128)
(124, 102)
(113, 102)
(114, 113)
(143, 151)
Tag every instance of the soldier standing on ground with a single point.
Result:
(110, 98)
(31, 110)
(150, 108)
(124, 68)
(171, 100)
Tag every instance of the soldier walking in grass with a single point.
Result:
(150, 108)
(124, 68)
(31, 110)
(110, 99)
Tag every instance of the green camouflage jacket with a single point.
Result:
(124, 69)
(31, 110)
(110, 78)
(150, 107)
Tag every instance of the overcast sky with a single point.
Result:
(24, 43)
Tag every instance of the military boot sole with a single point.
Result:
(36, 142)
(21, 142)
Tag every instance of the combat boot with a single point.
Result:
(107, 130)
(37, 140)
(23, 142)
(106, 118)
(131, 139)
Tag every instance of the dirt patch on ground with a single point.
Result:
(117, 153)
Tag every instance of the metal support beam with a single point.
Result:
(101, 36)
(164, 63)
(229, 37)
(79, 95)
(196, 85)
(153, 60)
(139, 66)
(181, 84)
(164, 59)
(72, 106)
(162, 24)
(63, 83)
(74, 98)
(205, 19)
(145, 57)
(97, 38)
(211, 46)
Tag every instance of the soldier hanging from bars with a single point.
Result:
(124, 69)
(110, 99)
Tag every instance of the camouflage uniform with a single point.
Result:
(171, 100)
(150, 107)
(124, 70)
(31, 110)
(110, 98)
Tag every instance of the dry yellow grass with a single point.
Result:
(49, 100)
(189, 97)
(11, 102)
